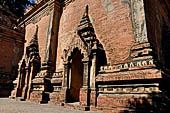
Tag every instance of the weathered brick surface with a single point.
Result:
(83, 97)
(93, 98)
(57, 97)
(113, 28)
(11, 49)
(36, 97)
(11, 52)
(111, 22)
(112, 102)
(42, 33)
(122, 104)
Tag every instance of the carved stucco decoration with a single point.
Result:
(28, 68)
(32, 52)
(109, 6)
(138, 21)
(85, 38)
(77, 44)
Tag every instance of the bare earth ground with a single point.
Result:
(13, 106)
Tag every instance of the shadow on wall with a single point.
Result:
(102, 59)
(154, 103)
(165, 44)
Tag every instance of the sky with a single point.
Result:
(31, 0)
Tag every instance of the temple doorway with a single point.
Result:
(21, 82)
(166, 45)
(165, 57)
(21, 86)
(76, 76)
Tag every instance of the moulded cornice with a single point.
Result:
(39, 11)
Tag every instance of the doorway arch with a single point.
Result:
(165, 42)
(75, 75)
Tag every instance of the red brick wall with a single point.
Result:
(11, 50)
(42, 33)
(57, 97)
(104, 101)
(10, 53)
(111, 22)
(6, 57)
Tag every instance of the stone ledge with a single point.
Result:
(130, 75)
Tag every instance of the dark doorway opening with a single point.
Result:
(76, 76)
(166, 45)
(21, 80)
(165, 58)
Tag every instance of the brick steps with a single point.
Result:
(76, 105)
(111, 110)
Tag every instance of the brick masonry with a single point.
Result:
(11, 51)
(106, 23)
(116, 44)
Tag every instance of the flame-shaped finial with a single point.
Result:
(86, 10)
(34, 39)
(36, 32)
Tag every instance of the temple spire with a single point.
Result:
(32, 48)
(86, 10)
(34, 39)
(85, 28)
(36, 30)
(36, 33)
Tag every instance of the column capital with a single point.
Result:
(86, 60)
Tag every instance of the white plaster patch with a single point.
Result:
(109, 6)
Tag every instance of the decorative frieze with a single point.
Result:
(129, 66)
(38, 17)
(53, 75)
(38, 87)
(140, 74)
(57, 78)
(43, 74)
(57, 88)
(129, 89)
(57, 75)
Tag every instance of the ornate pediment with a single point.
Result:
(76, 44)
(32, 49)
(87, 41)
(86, 30)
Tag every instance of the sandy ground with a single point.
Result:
(13, 106)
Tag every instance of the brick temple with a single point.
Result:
(11, 49)
(106, 55)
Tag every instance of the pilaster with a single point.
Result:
(42, 82)
(48, 64)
